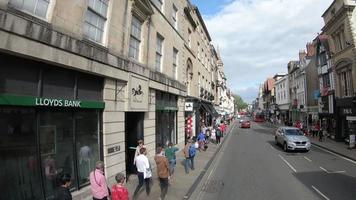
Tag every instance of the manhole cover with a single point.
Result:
(212, 186)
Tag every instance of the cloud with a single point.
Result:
(257, 38)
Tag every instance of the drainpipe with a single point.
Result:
(148, 38)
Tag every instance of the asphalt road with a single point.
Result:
(250, 166)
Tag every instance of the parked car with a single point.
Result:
(245, 124)
(291, 138)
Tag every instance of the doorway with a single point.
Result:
(133, 133)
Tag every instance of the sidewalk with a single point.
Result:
(339, 148)
(181, 182)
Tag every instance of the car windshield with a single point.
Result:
(293, 132)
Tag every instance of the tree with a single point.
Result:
(239, 103)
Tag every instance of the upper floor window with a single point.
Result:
(339, 40)
(175, 63)
(38, 8)
(345, 83)
(326, 80)
(175, 16)
(159, 52)
(189, 38)
(135, 38)
(158, 4)
(322, 59)
(95, 19)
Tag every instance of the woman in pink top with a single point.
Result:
(98, 186)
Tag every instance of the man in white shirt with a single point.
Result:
(143, 172)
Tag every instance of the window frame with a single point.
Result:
(159, 52)
(137, 38)
(175, 63)
(98, 17)
(32, 13)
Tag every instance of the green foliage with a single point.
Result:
(239, 103)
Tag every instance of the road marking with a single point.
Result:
(288, 163)
(321, 194)
(352, 161)
(324, 169)
(332, 172)
(306, 158)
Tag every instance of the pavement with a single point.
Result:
(182, 185)
(331, 145)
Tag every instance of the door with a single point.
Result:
(133, 133)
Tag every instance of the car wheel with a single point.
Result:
(285, 147)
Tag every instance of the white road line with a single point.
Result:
(272, 147)
(306, 158)
(288, 163)
(324, 169)
(321, 194)
(352, 161)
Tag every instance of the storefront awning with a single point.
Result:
(210, 109)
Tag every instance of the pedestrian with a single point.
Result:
(213, 134)
(189, 154)
(63, 192)
(162, 171)
(222, 128)
(98, 185)
(118, 190)
(139, 146)
(201, 139)
(170, 153)
(218, 134)
(144, 173)
(321, 135)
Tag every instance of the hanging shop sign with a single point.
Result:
(14, 100)
(138, 93)
(188, 106)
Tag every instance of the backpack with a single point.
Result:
(218, 132)
(192, 151)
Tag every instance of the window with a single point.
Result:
(189, 38)
(95, 19)
(135, 38)
(38, 8)
(345, 83)
(159, 50)
(322, 59)
(174, 16)
(326, 80)
(158, 4)
(198, 51)
(175, 63)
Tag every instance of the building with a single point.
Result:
(86, 84)
(340, 28)
(282, 99)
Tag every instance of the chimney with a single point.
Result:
(302, 54)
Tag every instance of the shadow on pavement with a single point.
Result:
(334, 186)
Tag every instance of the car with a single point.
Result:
(245, 124)
(291, 138)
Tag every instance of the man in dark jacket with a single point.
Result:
(63, 192)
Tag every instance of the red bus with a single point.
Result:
(259, 117)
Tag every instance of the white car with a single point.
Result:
(292, 139)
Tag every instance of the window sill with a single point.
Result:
(13, 10)
(94, 44)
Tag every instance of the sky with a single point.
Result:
(257, 38)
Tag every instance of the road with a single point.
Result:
(249, 166)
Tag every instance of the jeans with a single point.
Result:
(163, 183)
(140, 184)
(189, 161)
(172, 165)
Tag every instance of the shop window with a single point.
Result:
(17, 78)
(86, 135)
(58, 84)
(56, 147)
(90, 88)
(19, 172)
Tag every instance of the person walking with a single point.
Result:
(189, 154)
(118, 190)
(201, 140)
(321, 134)
(98, 185)
(162, 171)
(222, 128)
(218, 134)
(139, 146)
(144, 173)
(170, 153)
(63, 192)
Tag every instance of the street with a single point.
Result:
(251, 166)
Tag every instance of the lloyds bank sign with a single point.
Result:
(14, 100)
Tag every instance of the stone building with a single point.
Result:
(340, 27)
(82, 81)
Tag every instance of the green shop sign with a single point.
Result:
(48, 102)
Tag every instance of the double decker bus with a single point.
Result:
(259, 117)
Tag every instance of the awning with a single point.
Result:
(209, 108)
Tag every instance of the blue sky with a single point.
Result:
(257, 38)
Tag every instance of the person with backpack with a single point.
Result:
(218, 135)
(189, 154)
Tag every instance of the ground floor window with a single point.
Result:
(166, 125)
(38, 144)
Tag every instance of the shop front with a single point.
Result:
(346, 119)
(166, 118)
(50, 123)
